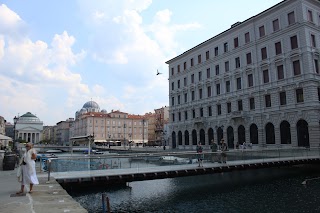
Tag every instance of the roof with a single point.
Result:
(28, 115)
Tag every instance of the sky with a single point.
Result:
(57, 55)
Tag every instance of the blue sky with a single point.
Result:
(57, 55)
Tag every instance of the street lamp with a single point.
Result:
(15, 120)
(124, 137)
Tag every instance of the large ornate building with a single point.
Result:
(28, 128)
(115, 126)
(257, 82)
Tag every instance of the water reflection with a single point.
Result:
(264, 190)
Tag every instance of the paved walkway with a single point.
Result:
(47, 197)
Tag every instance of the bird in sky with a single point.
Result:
(158, 73)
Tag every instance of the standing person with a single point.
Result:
(223, 151)
(199, 151)
(214, 149)
(28, 168)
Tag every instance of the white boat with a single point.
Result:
(53, 151)
(176, 160)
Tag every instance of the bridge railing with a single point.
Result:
(138, 161)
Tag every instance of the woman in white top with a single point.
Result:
(28, 168)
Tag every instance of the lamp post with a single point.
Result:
(15, 120)
(91, 136)
(130, 141)
(124, 136)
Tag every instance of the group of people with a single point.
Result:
(222, 158)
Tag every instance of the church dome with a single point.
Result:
(91, 105)
(29, 117)
(104, 111)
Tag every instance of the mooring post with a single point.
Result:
(103, 204)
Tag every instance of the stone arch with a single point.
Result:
(241, 134)
(303, 133)
(254, 139)
(202, 137)
(180, 138)
(270, 136)
(186, 137)
(285, 133)
(174, 140)
(194, 137)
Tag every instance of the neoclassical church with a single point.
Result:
(29, 128)
(258, 82)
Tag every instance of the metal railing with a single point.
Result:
(138, 161)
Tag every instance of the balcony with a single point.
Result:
(199, 120)
(238, 115)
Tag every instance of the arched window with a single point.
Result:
(254, 139)
(194, 137)
(230, 137)
(186, 137)
(241, 134)
(202, 137)
(174, 142)
(270, 137)
(180, 138)
(303, 133)
(285, 132)
(210, 135)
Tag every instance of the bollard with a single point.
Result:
(49, 168)
(103, 204)
(108, 205)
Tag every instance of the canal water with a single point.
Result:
(264, 190)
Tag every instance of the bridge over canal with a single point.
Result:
(122, 168)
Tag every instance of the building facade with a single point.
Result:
(115, 126)
(257, 82)
(63, 131)
(162, 117)
(2, 126)
(28, 128)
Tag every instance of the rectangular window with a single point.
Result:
(179, 116)
(185, 97)
(225, 47)
(185, 81)
(252, 104)
(178, 84)
(291, 18)
(218, 89)
(172, 86)
(240, 107)
(283, 98)
(265, 76)
(236, 42)
(310, 16)
(199, 59)
(172, 101)
(250, 80)
(217, 70)
(296, 67)
(172, 71)
(313, 41)
(278, 48)
(227, 86)
(173, 117)
(184, 65)
(237, 61)
(226, 66)
(319, 93)
(207, 55)
(201, 112)
(267, 99)
(192, 95)
(200, 93)
(238, 83)
(294, 42)
(209, 110)
(280, 72)
(193, 113)
(191, 62)
(216, 51)
(178, 68)
(229, 107)
(247, 37)
(185, 115)
(209, 91)
(276, 25)
(178, 99)
(264, 53)
(249, 59)
(219, 109)
(299, 95)
(200, 76)
(316, 66)
(262, 31)
(208, 72)
(192, 79)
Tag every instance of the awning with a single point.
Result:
(3, 137)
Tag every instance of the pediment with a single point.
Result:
(29, 129)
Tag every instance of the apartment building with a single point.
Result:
(116, 126)
(258, 82)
